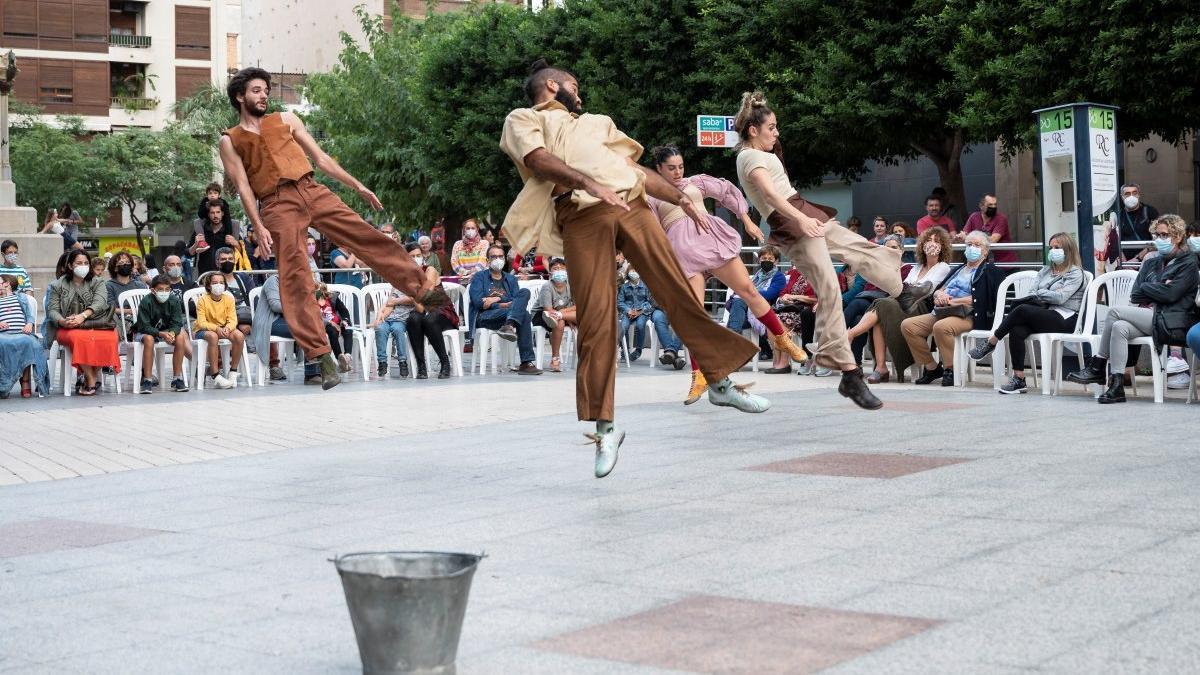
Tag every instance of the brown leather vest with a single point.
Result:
(270, 156)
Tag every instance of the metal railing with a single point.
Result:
(136, 41)
(133, 103)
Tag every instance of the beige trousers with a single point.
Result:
(917, 330)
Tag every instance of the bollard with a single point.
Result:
(407, 608)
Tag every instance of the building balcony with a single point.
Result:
(135, 41)
(134, 103)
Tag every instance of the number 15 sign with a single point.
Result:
(715, 131)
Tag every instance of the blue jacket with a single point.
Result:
(770, 285)
(858, 285)
(634, 297)
(481, 285)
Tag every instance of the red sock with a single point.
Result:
(693, 360)
(771, 321)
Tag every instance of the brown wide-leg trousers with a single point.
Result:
(287, 214)
(879, 265)
(591, 238)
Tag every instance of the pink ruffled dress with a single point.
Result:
(700, 251)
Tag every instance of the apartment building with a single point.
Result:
(118, 63)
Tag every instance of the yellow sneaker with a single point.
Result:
(699, 385)
(786, 344)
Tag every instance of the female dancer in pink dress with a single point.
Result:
(713, 247)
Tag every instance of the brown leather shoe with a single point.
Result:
(528, 368)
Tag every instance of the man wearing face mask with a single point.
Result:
(1133, 224)
(240, 284)
(633, 307)
(500, 304)
(994, 224)
(160, 319)
(173, 269)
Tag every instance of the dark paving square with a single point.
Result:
(50, 534)
(738, 637)
(859, 465)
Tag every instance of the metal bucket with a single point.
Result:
(407, 608)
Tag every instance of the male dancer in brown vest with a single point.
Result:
(585, 195)
(267, 158)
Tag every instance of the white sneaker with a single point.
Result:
(1179, 381)
(607, 446)
(1176, 365)
(222, 382)
(233, 380)
(727, 394)
(822, 371)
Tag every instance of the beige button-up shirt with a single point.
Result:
(590, 144)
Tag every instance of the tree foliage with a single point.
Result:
(50, 165)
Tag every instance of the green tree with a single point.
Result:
(163, 170)
(50, 164)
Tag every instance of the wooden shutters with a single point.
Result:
(192, 35)
(189, 81)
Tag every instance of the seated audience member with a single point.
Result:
(623, 268)
(1193, 335)
(429, 321)
(314, 255)
(174, 269)
(901, 229)
(965, 301)
(1050, 307)
(880, 228)
(100, 266)
(667, 338)
(216, 320)
(21, 353)
(343, 258)
(1166, 283)
(633, 306)
(883, 317)
(796, 308)
(529, 265)
(338, 326)
(854, 224)
(769, 281)
(392, 320)
(238, 285)
(160, 318)
(80, 319)
(11, 265)
(500, 304)
(428, 255)
(469, 254)
(123, 273)
(555, 309)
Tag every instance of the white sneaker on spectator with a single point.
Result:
(1179, 381)
(233, 379)
(822, 371)
(1176, 365)
(220, 382)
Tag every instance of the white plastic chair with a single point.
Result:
(1085, 333)
(132, 300)
(1019, 284)
(286, 346)
(355, 301)
(747, 333)
(1038, 346)
(541, 337)
(653, 340)
(190, 298)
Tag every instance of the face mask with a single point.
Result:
(973, 253)
(10, 258)
(418, 260)
(932, 251)
(81, 271)
(124, 270)
(766, 265)
(162, 296)
(990, 212)
(1131, 202)
(175, 272)
(497, 264)
(226, 267)
(1164, 246)
(1194, 244)
(635, 277)
(1057, 256)
(218, 290)
(312, 248)
(470, 234)
(559, 276)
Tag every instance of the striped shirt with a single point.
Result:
(12, 312)
(21, 275)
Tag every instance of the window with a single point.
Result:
(55, 95)
(191, 33)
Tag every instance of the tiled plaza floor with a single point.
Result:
(954, 531)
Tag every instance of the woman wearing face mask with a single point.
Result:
(965, 301)
(123, 273)
(884, 317)
(1050, 307)
(81, 319)
(337, 326)
(1193, 243)
(216, 320)
(556, 310)
(432, 315)
(160, 318)
(901, 230)
(1167, 283)
(314, 255)
(20, 352)
(469, 254)
(713, 247)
